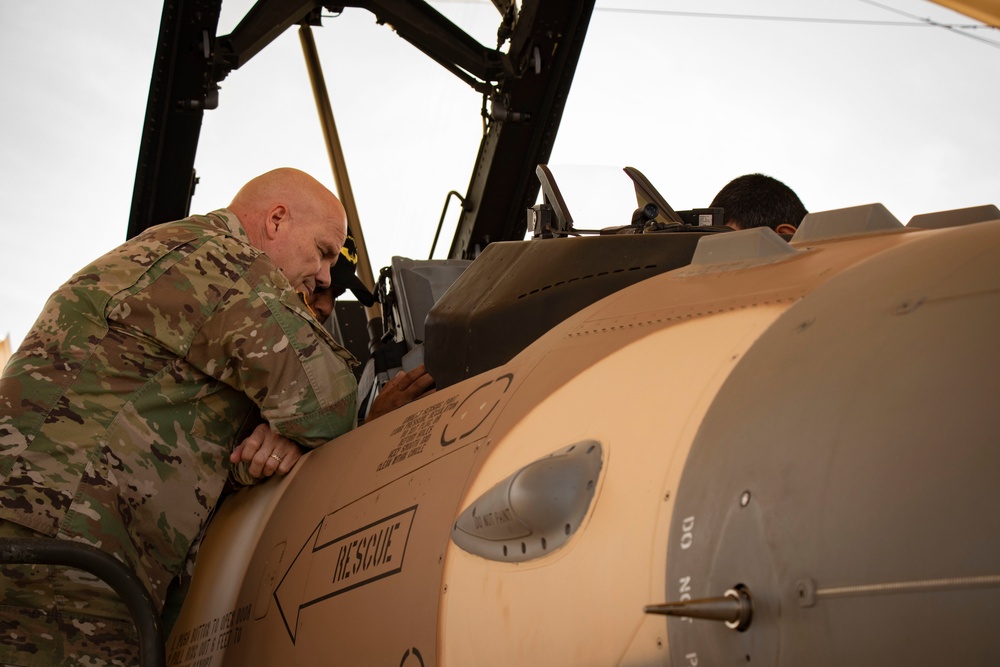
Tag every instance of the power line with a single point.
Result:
(758, 17)
(918, 22)
(935, 24)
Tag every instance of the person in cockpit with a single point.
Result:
(756, 200)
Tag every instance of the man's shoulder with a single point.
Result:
(207, 244)
(220, 224)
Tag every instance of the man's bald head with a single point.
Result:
(296, 220)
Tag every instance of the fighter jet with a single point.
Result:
(662, 442)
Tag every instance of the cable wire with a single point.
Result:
(958, 29)
(760, 17)
(917, 21)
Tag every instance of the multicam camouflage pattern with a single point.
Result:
(120, 408)
(36, 634)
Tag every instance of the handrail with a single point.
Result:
(48, 551)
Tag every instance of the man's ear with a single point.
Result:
(276, 217)
(785, 228)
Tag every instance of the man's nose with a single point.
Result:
(323, 275)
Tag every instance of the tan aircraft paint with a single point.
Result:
(635, 372)
(613, 567)
(620, 551)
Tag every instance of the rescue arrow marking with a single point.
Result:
(343, 563)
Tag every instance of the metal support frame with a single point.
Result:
(182, 86)
(527, 88)
(545, 46)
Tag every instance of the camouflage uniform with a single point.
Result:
(120, 409)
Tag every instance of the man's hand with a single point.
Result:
(267, 452)
(400, 390)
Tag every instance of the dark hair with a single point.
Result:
(756, 200)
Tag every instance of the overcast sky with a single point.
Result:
(848, 101)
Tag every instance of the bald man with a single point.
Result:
(120, 411)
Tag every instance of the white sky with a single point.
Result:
(845, 113)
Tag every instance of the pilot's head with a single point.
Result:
(756, 200)
(343, 277)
